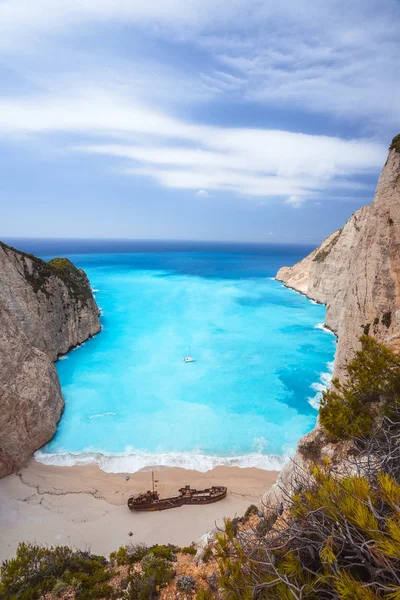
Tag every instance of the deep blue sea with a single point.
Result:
(262, 357)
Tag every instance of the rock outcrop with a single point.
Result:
(45, 310)
(356, 273)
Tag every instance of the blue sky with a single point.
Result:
(247, 120)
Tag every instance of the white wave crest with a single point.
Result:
(132, 461)
(102, 415)
(79, 346)
(94, 291)
(321, 385)
(63, 357)
(324, 328)
(105, 414)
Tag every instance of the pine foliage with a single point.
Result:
(339, 535)
(352, 409)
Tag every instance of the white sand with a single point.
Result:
(85, 507)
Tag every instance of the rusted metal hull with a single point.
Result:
(187, 496)
(162, 504)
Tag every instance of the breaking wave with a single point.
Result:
(321, 385)
(323, 327)
(105, 414)
(132, 461)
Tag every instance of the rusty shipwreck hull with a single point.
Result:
(151, 501)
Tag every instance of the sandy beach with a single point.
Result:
(85, 507)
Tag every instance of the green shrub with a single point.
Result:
(140, 587)
(207, 554)
(36, 570)
(159, 568)
(339, 538)
(59, 587)
(191, 550)
(168, 551)
(186, 583)
(120, 556)
(251, 510)
(130, 554)
(387, 319)
(372, 384)
(204, 594)
(395, 145)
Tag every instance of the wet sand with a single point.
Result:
(85, 507)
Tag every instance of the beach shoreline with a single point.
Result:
(85, 507)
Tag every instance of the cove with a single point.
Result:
(262, 359)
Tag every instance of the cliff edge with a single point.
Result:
(45, 310)
(356, 271)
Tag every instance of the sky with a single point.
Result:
(230, 120)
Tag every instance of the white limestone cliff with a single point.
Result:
(45, 310)
(356, 273)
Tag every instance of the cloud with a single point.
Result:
(202, 194)
(295, 201)
(332, 57)
(183, 155)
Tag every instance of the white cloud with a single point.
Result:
(202, 194)
(181, 155)
(295, 201)
(332, 56)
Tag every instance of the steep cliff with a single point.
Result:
(45, 310)
(356, 271)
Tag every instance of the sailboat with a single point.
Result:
(189, 358)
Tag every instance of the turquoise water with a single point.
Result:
(262, 358)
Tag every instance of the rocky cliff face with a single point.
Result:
(356, 273)
(45, 310)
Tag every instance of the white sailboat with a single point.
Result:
(189, 358)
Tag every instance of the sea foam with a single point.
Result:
(132, 461)
(323, 327)
(105, 414)
(321, 385)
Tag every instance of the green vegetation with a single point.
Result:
(186, 583)
(322, 254)
(353, 408)
(338, 538)
(204, 594)
(395, 145)
(192, 550)
(135, 553)
(38, 272)
(251, 510)
(335, 537)
(387, 319)
(207, 555)
(36, 570)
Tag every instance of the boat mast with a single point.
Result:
(153, 481)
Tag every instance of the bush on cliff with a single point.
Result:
(372, 386)
(339, 537)
(36, 570)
